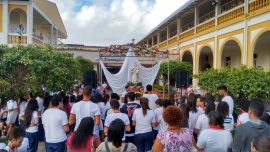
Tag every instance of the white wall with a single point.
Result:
(263, 54)
(235, 58)
(39, 30)
(203, 61)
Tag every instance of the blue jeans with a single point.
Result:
(155, 133)
(33, 141)
(56, 147)
(144, 142)
(22, 127)
(40, 131)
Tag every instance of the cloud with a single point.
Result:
(105, 22)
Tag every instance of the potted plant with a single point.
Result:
(130, 84)
(139, 84)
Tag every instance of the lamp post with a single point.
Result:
(133, 41)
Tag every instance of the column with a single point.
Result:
(51, 35)
(5, 22)
(30, 23)
(158, 38)
(153, 41)
(56, 38)
(244, 55)
(195, 18)
(168, 34)
(217, 11)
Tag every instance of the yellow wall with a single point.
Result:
(1, 18)
(13, 6)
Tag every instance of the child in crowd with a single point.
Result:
(16, 138)
(244, 106)
(223, 108)
(158, 111)
(138, 97)
(160, 121)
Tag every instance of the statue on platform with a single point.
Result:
(135, 74)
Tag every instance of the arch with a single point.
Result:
(260, 53)
(205, 58)
(187, 52)
(12, 7)
(229, 57)
(17, 16)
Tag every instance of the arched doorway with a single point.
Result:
(187, 57)
(17, 17)
(231, 55)
(206, 59)
(261, 52)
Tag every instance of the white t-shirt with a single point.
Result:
(158, 112)
(25, 145)
(5, 114)
(84, 109)
(40, 103)
(104, 85)
(143, 123)
(230, 102)
(162, 124)
(193, 118)
(123, 94)
(214, 140)
(53, 120)
(202, 123)
(11, 105)
(137, 101)
(113, 116)
(10, 150)
(229, 123)
(152, 100)
(244, 117)
(22, 106)
(103, 108)
(98, 128)
(121, 104)
(34, 128)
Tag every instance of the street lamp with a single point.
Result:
(133, 41)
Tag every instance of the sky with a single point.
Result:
(106, 22)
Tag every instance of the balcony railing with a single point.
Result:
(164, 38)
(206, 26)
(163, 44)
(172, 40)
(14, 28)
(207, 17)
(187, 34)
(258, 4)
(230, 5)
(231, 15)
(188, 26)
(172, 34)
(17, 39)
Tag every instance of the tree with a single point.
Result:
(84, 64)
(243, 81)
(30, 67)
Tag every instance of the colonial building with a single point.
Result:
(217, 33)
(35, 22)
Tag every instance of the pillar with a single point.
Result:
(5, 22)
(30, 23)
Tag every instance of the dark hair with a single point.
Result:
(243, 104)
(47, 102)
(93, 99)
(15, 133)
(222, 87)
(183, 99)
(116, 132)
(62, 93)
(115, 96)
(137, 95)
(144, 104)
(79, 98)
(171, 97)
(191, 94)
(72, 98)
(115, 104)
(87, 91)
(266, 118)
(167, 103)
(185, 109)
(65, 99)
(201, 98)
(56, 99)
(173, 115)
(209, 106)
(159, 102)
(256, 105)
(105, 99)
(33, 95)
(22, 99)
(261, 143)
(223, 108)
(216, 119)
(149, 87)
(28, 113)
(98, 97)
(131, 96)
(126, 87)
(84, 132)
(209, 96)
(125, 99)
(192, 104)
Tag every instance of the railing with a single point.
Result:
(230, 5)
(231, 15)
(38, 35)
(14, 28)
(187, 34)
(207, 17)
(188, 26)
(17, 39)
(60, 44)
(163, 44)
(172, 34)
(38, 42)
(258, 4)
(172, 40)
(164, 38)
(206, 26)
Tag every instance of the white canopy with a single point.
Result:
(118, 81)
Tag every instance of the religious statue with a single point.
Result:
(135, 73)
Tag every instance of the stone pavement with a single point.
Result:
(41, 147)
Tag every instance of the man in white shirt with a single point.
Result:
(55, 124)
(84, 108)
(124, 93)
(151, 97)
(222, 90)
(40, 108)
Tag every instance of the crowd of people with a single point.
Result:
(82, 121)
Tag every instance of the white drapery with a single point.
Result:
(118, 81)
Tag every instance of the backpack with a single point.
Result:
(108, 149)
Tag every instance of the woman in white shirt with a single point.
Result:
(104, 105)
(12, 108)
(215, 138)
(143, 119)
(31, 120)
(223, 108)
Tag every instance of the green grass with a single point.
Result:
(4, 140)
